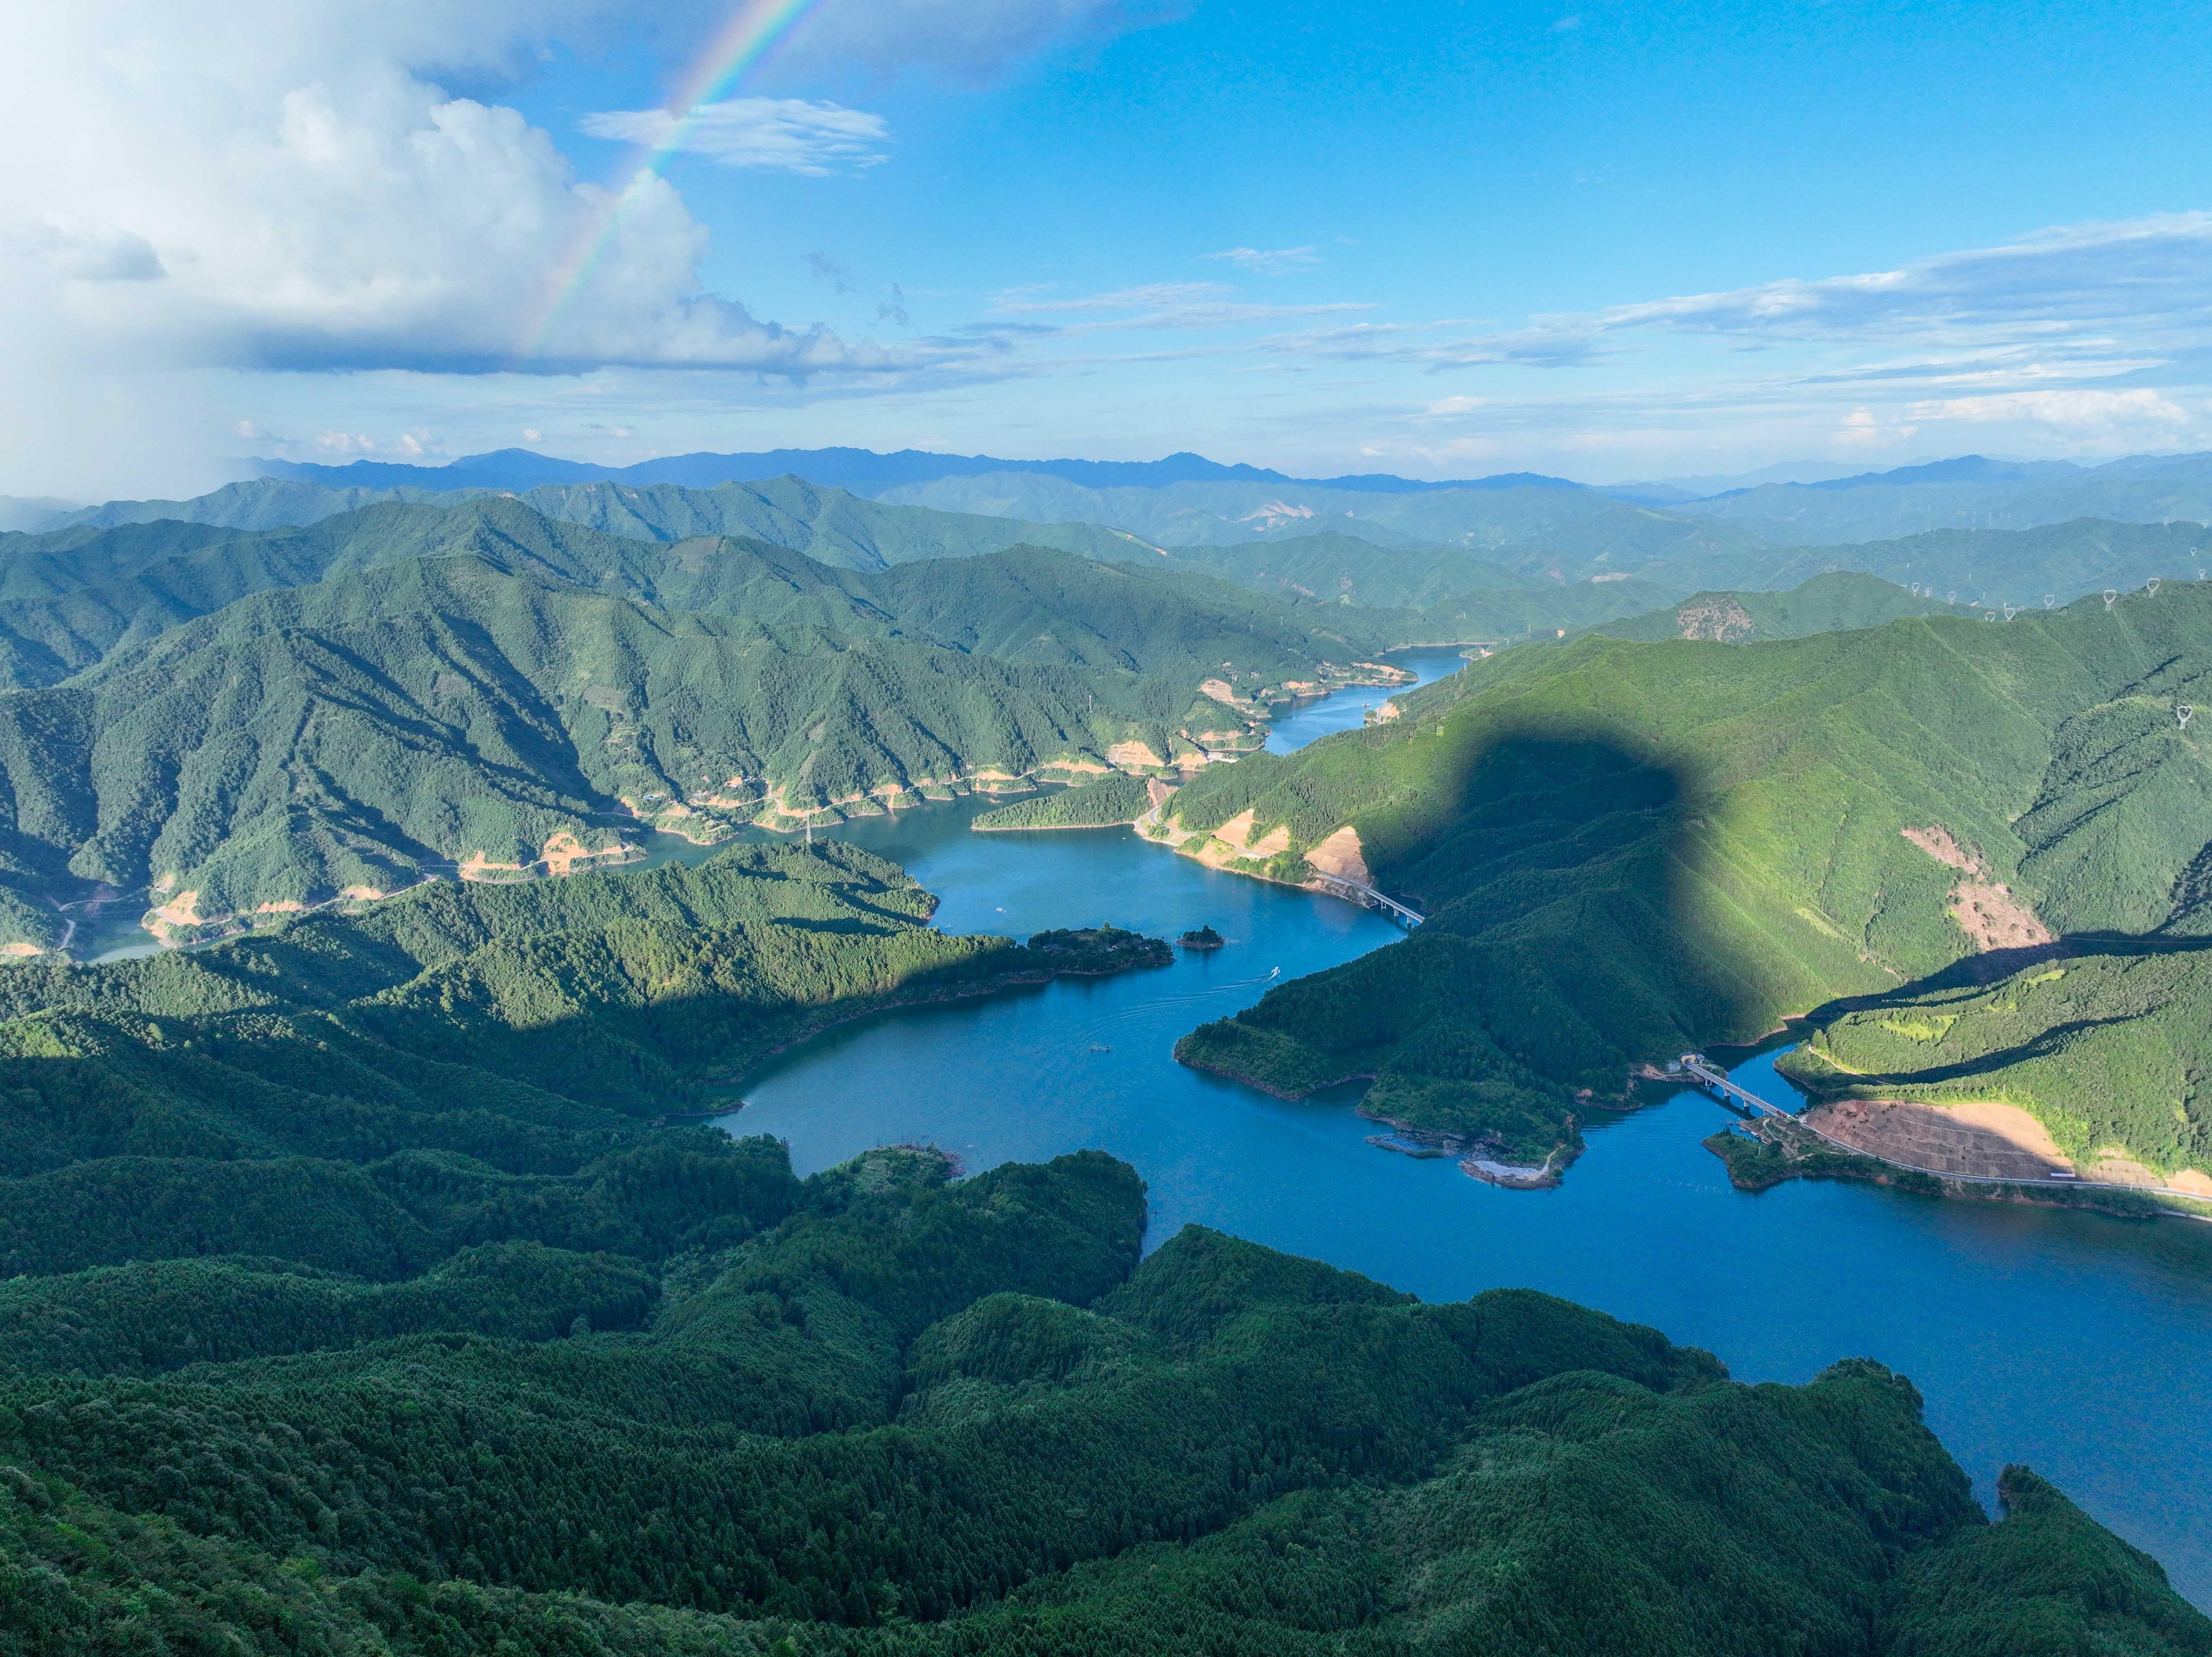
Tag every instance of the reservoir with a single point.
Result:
(2075, 1343)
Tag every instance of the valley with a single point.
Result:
(1093, 828)
(602, 1023)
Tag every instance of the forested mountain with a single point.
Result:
(284, 1093)
(1577, 531)
(1408, 549)
(1627, 849)
(827, 523)
(400, 1329)
(1826, 603)
(260, 503)
(2026, 568)
(273, 719)
(1969, 493)
(862, 471)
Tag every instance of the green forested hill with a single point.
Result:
(829, 524)
(69, 598)
(2054, 562)
(2110, 1048)
(1835, 602)
(838, 528)
(2150, 489)
(1108, 802)
(273, 719)
(361, 731)
(1534, 530)
(915, 1418)
(1330, 567)
(354, 1303)
(1627, 849)
(461, 1064)
(259, 503)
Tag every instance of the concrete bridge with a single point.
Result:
(1695, 1066)
(1368, 897)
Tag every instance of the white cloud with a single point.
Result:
(969, 40)
(1269, 262)
(2053, 304)
(360, 220)
(777, 135)
(2084, 412)
(266, 185)
(1863, 429)
(1177, 305)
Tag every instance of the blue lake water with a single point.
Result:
(1347, 709)
(2072, 1342)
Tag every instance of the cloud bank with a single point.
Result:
(779, 135)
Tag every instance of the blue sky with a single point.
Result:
(1603, 240)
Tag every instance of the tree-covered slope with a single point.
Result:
(1330, 567)
(357, 1303)
(461, 1064)
(2109, 1049)
(1835, 602)
(407, 687)
(1534, 530)
(1106, 803)
(69, 598)
(2028, 568)
(829, 524)
(1970, 492)
(839, 528)
(922, 1417)
(1627, 849)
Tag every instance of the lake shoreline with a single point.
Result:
(1025, 979)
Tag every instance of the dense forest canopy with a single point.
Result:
(598, 1386)
(366, 1289)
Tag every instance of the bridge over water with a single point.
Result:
(1368, 897)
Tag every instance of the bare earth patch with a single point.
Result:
(1237, 830)
(1125, 755)
(182, 910)
(1342, 855)
(1986, 1140)
(1935, 840)
(1985, 909)
(1988, 914)
(1719, 621)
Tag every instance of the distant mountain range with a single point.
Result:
(1312, 545)
(862, 471)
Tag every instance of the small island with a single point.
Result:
(1202, 937)
(1094, 951)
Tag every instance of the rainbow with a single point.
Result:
(751, 34)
